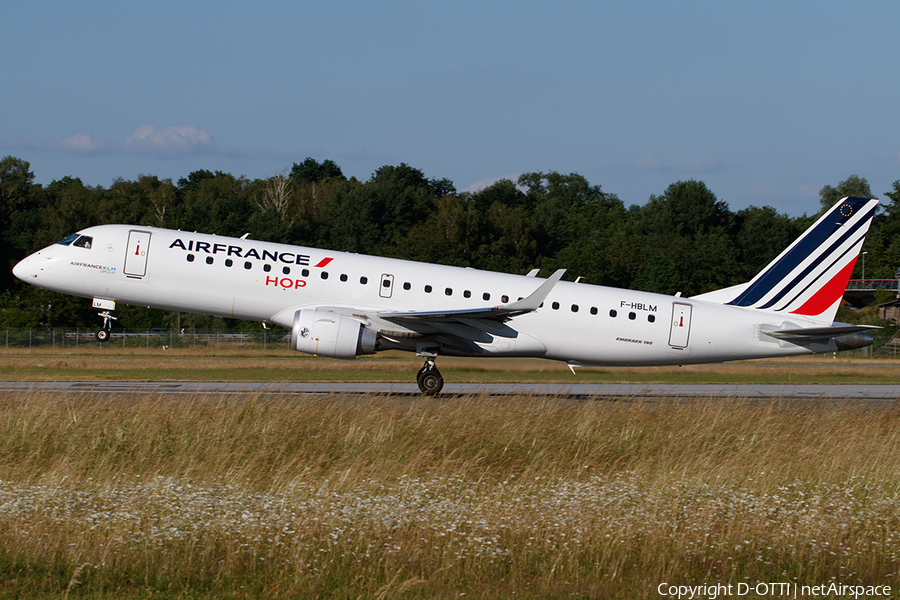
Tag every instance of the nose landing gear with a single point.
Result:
(429, 378)
(104, 332)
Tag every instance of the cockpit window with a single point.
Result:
(69, 240)
(84, 241)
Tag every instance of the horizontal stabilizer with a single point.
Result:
(817, 333)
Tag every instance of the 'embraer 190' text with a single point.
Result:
(290, 258)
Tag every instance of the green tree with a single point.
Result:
(68, 206)
(446, 236)
(214, 202)
(762, 234)
(685, 240)
(503, 191)
(557, 201)
(313, 171)
(510, 244)
(16, 180)
(146, 201)
(883, 241)
(374, 217)
(16, 198)
(192, 181)
(854, 185)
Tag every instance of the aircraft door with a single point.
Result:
(387, 286)
(679, 334)
(136, 253)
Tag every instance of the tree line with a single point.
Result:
(683, 240)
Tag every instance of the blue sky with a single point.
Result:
(764, 101)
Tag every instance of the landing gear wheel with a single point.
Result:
(104, 332)
(430, 381)
(429, 378)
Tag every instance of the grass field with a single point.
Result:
(156, 364)
(241, 496)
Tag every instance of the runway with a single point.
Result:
(575, 390)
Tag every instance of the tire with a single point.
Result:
(430, 382)
(102, 335)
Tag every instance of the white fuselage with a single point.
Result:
(248, 279)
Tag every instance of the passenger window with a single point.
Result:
(286, 270)
(632, 316)
(324, 275)
(467, 294)
(84, 242)
(613, 313)
(486, 296)
(427, 289)
(364, 280)
(593, 310)
(209, 260)
(267, 268)
(448, 292)
(248, 265)
(407, 285)
(190, 258)
(228, 262)
(343, 277)
(305, 272)
(555, 305)
(574, 308)
(504, 299)
(651, 318)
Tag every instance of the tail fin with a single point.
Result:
(809, 278)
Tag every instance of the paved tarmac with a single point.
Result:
(573, 390)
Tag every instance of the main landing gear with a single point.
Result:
(429, 378)
(104, 332)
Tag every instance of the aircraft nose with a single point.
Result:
(24, 270)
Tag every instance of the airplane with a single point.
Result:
(343, 305)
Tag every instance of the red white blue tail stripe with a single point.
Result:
(809, 278)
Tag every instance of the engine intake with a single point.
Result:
(324, 333)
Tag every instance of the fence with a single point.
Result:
(873, 284)
(265, 339)
(57, 337)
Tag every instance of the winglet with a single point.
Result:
(534, 301)
(502, 312)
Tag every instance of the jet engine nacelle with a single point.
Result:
(324, 333)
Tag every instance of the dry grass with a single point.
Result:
(380, 498)
(155, 364)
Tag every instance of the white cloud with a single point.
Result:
(146, 139)
(648, 163)
(174, 141)
(81, 143)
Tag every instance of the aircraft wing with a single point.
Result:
(502, 313)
